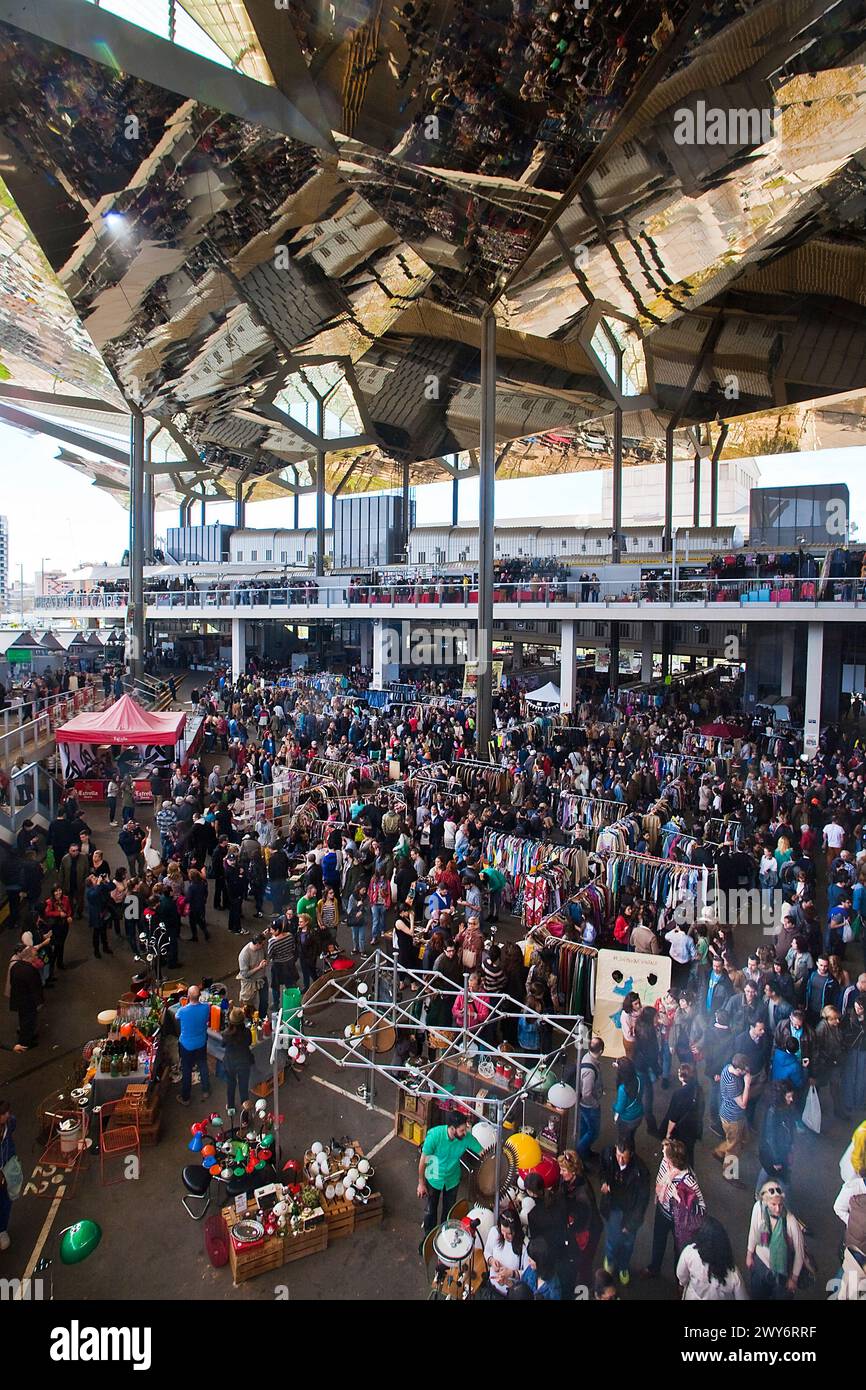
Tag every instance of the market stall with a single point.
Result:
(125, 736)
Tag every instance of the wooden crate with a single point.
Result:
(339, 1217)
(247, 1264)
(407, 1126)
(369, 1214)
(310, 1241)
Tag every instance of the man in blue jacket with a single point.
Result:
(192, 1020)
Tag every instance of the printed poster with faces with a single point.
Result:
(618, 973)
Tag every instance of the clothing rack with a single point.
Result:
(663, 881)
(592, 811)
(732, 830)
(576, 962)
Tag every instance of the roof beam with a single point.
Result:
(32, 397)
(124, 47)
(22, 421)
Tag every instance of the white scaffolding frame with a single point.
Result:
(374, 988)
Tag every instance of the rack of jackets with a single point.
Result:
(722, 830)
(670, 766)
(676, 842)
(592, 811)
(575, 962)
(562, 868)
(621, 837)
(661, 881)
(492, 781)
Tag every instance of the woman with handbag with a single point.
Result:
(680, 1206)
(11, 1176)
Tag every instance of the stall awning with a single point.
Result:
(547, 695)
(124, 722)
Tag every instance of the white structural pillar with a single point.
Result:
(517, 656)
(786, 684)
(646, 653)
(239, 646)
(366, 646)
(814, 675)
(385, 647)
(567, 670)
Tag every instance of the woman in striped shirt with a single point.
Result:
(680, 1205)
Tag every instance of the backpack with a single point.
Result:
(688, 1214)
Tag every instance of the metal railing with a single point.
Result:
(16, 737)
(32, 791)
(590, 594)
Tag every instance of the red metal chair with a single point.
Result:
(65, 1151)
(120, 1139)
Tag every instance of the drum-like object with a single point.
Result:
(452, 1243)
(380, 1038)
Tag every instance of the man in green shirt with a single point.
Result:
(439, 1168)
(495, 882)
(308, 903)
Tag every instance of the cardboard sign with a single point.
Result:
(618, 973)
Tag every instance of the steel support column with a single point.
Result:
(668, 537)
(203, 513)
(320, 490)
(455, 501)
(404, 493)
(616, 543)
(486, 523)
(613, 675)
(714, 474)
(297, 511)
(696, 492)
(240, 504)
(135, 612)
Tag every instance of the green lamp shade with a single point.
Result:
(79, 1241)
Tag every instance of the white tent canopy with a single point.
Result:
(546, 695)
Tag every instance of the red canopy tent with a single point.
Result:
(124, 724)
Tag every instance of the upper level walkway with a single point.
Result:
(306, 601)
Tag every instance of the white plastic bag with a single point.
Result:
(812, 1111)
(152, 857)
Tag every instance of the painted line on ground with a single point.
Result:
(377, 1148)
(320, 1081)
(40, 1243)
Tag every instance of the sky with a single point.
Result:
(58, 516)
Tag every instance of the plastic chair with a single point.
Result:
(197, 1181)
(121, 1139)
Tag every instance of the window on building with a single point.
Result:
(422, 557)
(269, 555)
(284, 556)
(299, 555)
(254, 554)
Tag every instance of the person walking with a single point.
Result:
(590, 1092)
(24, 992)
(684, 1120)
(775, 1253)
(192, 1020)
(706, 1270)
(282, 954)
(237, 1060)
(253, 973)
(628, 1109)
(680, 1205)
(625, 1193)
(11, 1176)
(439, 1168)
(734, 1088)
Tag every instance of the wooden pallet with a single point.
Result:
(307, 1242)
(369, 1214)
(247, 1264)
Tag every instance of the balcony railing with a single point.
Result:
(455, 595)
